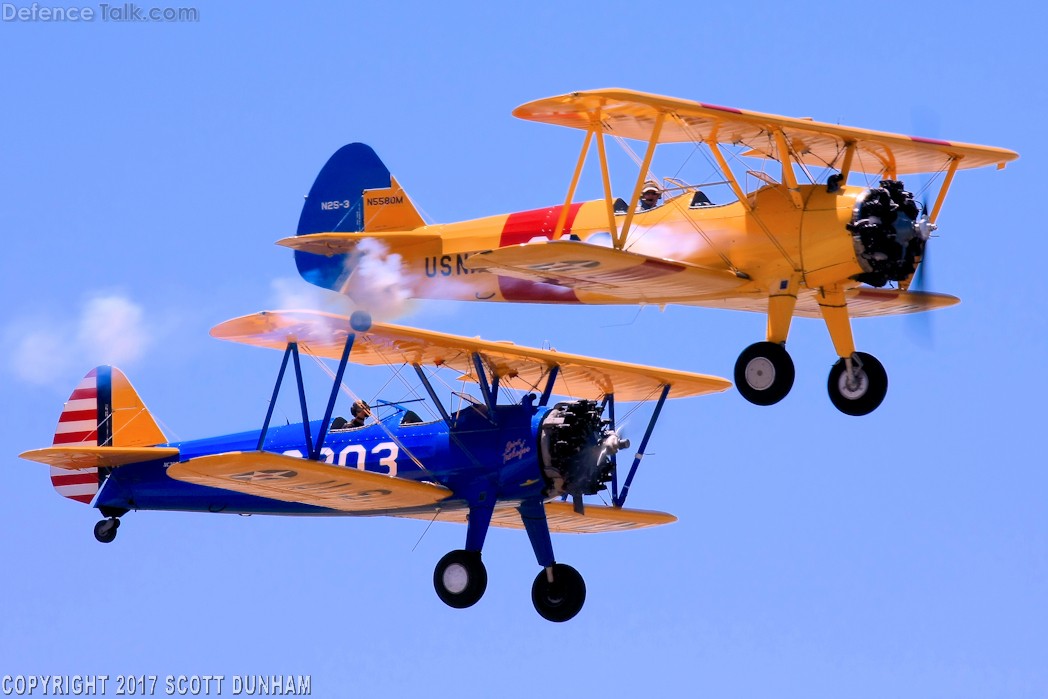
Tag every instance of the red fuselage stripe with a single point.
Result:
(525, 225)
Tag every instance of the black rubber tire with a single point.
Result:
(563, 598)
(452, 588)
(871, 392)
(752, 370)
(105, 530)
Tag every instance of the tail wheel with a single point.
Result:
(764, 373)
(460, 579)
(105, 530)
(863, 390)
(561, 599)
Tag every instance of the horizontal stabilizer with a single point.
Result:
(76, 458)
(601, 270)
(563, 519)
(329, 244)
(523, 368)
(290, 479)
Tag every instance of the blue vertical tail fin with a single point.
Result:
(354, 192)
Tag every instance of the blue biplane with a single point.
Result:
(489, 463)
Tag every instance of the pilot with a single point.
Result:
(360, 411)
(649, 196)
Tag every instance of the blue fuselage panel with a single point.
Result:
(481, 457)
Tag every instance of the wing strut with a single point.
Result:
(789, 177)
(302, 396)
(605, 177)
(563, 218)
(432, 394)
(944, 189)
(490, 390)
(334, 394)
(609, 404)
(620, 236)
(621, 499)
(550, 380)
(292, 352)
(273, 399)
(728, 174)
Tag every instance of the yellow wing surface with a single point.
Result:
(76, 458)
(642, 279)
(562, 518)
(524, 368)
(632, 114)
(863, 302)
(291, 479)
(352, 491)
(634, 277)
(341, 243)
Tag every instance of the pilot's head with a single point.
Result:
(650, 195)
(360, 410)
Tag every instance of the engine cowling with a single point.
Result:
(576, 447)
(888, 232)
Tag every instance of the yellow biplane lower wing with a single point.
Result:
(562, 518)
(291, 479)
(76, 458)
(600, 270)
(863, 302)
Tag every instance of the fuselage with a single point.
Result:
(477, 459)
(774, 239)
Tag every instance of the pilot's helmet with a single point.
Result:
(651, 186)
(360, 408)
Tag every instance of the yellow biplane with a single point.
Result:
(825, 247)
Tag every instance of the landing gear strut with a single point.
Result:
(105, 530)
(859, 388)
(563, 597)
(764, 373)
(460, 579)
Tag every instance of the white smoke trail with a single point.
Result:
(379, 283)
(110, 329)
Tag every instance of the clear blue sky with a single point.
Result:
(146, 169)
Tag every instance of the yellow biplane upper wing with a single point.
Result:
(632, 276)
(524, 368)
(291, 479)
(562, 518)
(632, 114)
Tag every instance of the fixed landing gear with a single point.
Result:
(764, 373)
(562, 598)
(861, 389)
(105, 530)
(460, 579)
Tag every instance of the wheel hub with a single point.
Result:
(854, 384)
(455, 578)
(760, 373)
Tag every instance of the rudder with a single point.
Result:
(353, 193)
